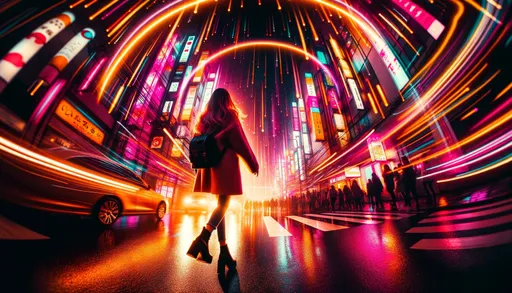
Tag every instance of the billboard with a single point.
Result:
(23, 51)
(66, 54)
(79, 122)
(318, 129)
(425, 19)
(355, 93)
(174, 86)
(199, 73)
(189, 103)
(376, 150)
(187, 49)
(310, 85)
(295, 113)
(157, 142)
(339, 122)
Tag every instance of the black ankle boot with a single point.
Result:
(199, 248)
(225, 259)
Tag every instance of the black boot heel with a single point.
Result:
(199, 248)
(225, 260)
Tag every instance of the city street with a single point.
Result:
(467, 248)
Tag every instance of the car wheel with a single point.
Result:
(160, 210)
(108, 210)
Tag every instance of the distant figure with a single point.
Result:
(409, 179)
(224, 180)
(399, 183)
(333, 194)
(389, 181)
(369, 189)
(341, 199)
(378, 188)
(348, 196)
(428, 184)
(358, 195)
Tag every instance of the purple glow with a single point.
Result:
(87, 81)
(47, 100)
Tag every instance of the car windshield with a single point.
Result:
(109, 168)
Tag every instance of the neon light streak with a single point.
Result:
(92, 74)
(382, 95)
(399, 33)
(503, 92)
(47, 100)
(114, 10)
(176, 144)
(76, 3)
(36, 88)
(473, 111)
(101, 10)
(374, 108)
(469, 162)
(90, 3)
(28, 155)
(349, 150)
(122, 22)
(313, 30)
(401, 21)
(493, 165)
(119, 93)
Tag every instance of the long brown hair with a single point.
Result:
(219, 109)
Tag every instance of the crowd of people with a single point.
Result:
(399, 183)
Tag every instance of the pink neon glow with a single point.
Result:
(47, 100)
(493, 114)
(425, 19)
(477, 151)
(113, 10)
(87, 81)
(470, 162)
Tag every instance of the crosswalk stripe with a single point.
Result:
(468, 215)
(463, 226)
(472, 242)
(368, 216)
(346, 219)
(12, 231)
(401, 214)
(490, 205)
(274, 229)
(323, 226)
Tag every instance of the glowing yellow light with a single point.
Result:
(116, 99)
(176, 144)
(36, 88)
(382, 95)
(76, 3)
(372, 103)
(90, 3)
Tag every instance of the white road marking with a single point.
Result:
(323, 226)
(274, 229)
(472, 242)
(368, 216)
(346, 219)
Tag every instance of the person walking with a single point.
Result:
(333, 194)
(378, 188)
(409, 179)
(428, 184)
(358, 195)
(389, 181)
(348, 196)
(341, 199)
(370, 190)
(224, 180)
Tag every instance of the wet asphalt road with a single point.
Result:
(140, 254)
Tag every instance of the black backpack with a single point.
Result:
(204, 152)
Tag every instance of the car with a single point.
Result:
(198, 202)
(74, 182)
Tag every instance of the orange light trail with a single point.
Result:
(503, 92)
(76, 4)
(302, 40)
(399, 33)
(321, 164)
(229, 5)
(116, 99)
(494, 166)
(278, 4)
(483, 10)
(128, 17)
(382, 95)
(211, 22)
(36, 88)
(90, 3)
(466, 116)
(400, 21)
(313, 30)
(101, 10)
(375, 111)
(176, 144)
(28, 155)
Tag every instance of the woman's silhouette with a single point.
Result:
(224, 180)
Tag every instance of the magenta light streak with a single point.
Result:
(477, 151)
(47, 100)
(493, 114)
(470, 162)
(92, 74)
(114, 9)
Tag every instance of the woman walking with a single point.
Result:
(224, 180)
(389, 181)
(358, 195)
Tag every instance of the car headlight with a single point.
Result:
(188, 200)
